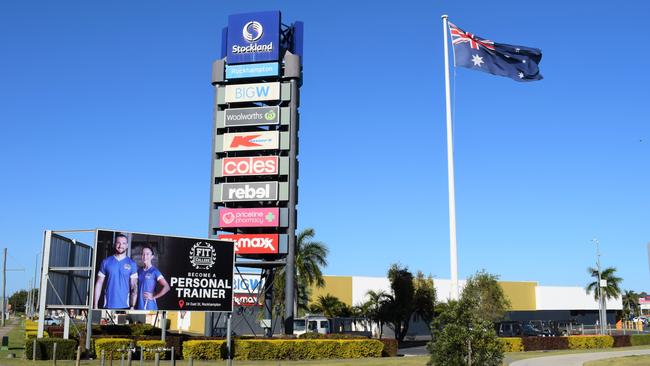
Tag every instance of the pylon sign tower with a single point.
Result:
(253, 186)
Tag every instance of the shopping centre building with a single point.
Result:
(529, 301)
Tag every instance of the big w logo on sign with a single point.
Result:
(252, 92)
(253, 37)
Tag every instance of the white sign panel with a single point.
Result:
(252, 92)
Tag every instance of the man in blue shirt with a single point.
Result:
(148, 277)
(121, 276)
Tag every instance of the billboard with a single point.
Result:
(251, 116)
(252, 92)
(249, 217)
(254, 243)
(253, 37)
(252, 70)
(244, 141)
(135, 271)
(246, 287)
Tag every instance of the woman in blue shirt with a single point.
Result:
(148, 277)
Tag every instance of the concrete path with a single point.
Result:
(576, 359)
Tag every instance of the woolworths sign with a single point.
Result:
(251, 116)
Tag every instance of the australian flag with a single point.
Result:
(516, 62)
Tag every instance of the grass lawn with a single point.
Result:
(16, 341)
(515, 356)
(622, 361)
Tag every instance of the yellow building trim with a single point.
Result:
(521, 295)
(339, 286)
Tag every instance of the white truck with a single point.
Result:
(311, 324)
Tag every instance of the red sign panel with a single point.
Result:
(246, 300)
(253, 165)
(254, 243)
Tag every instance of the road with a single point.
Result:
(576, 359)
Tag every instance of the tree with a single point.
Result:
(330, 306)
(424, 298)
(310, 257)
(490, 299)
(18, 300)
(398, 307)
(372, 308)
(630, 303)
(461, 335)
(612, 290)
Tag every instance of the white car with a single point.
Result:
(51, 321)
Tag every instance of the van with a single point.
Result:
(311, 324)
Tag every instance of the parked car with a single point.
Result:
(543, 326)
(51, 321)
(517, 329)
(565, 328)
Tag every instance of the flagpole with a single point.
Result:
(454, 293)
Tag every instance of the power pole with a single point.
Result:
(4, 287)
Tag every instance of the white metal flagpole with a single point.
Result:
(454, 293)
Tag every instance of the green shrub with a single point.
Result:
(204, 349)
(149, 347)
(288, 349)
(512, 344)
(390, 347)
(111, 345)
(66, 349)
(544, 343)
(589, 342)
(29, 334)
(140, 329)
(313, 335)
(640, 339)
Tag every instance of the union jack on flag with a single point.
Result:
(460, 36)
(516, 62)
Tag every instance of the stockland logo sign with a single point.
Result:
(241, 141)
(252, 116)
(253, 37)
(252, 191)
(252, 92)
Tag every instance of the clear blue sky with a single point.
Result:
(106, 109)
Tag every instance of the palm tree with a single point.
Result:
(310, 256)
(329, 305)
(630, 304)
(373, 307)
(612, 289)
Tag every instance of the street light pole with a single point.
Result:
(601, 316)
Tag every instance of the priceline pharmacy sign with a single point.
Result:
(253, 37)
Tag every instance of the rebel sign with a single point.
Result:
(254, 165)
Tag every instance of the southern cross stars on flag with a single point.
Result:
(516, 62)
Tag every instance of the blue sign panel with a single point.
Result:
(251, 70)
(253, 37)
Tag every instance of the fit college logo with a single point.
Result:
(202, 255)
(252, 31)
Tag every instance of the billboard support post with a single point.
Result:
(293, 64)
(45, 265)
(268, 302)
(163, 326)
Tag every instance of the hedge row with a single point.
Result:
(281, 349)
(516, 344)
(66, 349)
(115, 346)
